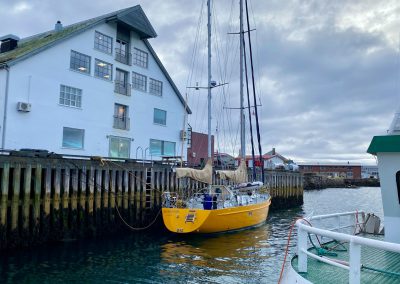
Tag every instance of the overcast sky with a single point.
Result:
(327, 72)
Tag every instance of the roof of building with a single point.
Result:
(331, 164)
(250, 157)
(133, 18)
(387, 143)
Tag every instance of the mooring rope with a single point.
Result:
(103, 163)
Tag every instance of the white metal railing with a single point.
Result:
(354, 264)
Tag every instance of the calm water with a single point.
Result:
(250, 256)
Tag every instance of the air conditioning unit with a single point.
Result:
(183, 135)
(25, 107)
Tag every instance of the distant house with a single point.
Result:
(96, 87)
(369, 172)
(333, 170)
(271, 162)
(197, 151)
(224, 160)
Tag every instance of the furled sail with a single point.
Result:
(237, 176)
(204, 175)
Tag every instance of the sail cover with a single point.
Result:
(237, 176)
(204, 175)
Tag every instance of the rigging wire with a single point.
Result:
(249, 104)
(254, 94)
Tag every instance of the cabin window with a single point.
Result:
(103, 70)
(80, 62)
(102, 42)
(155, 87)
(398, 184)
(119, 147)
(70, 96)
(73, 138)
(140, 58)
(162, 148)
(160, 116)
(139, 82)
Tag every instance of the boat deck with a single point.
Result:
(378, 266)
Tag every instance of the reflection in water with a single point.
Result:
(253, 255)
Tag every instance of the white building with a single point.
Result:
(369, 171)
(92, 88)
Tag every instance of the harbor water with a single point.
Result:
(249, 256)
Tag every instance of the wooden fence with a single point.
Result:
(51, 199)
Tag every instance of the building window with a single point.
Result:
(103, 70)
(122, 53)
(121, 117)
(80, 62)
(155, 87)
(162, 148)
(102, 42)
(121, 83)
(73, 138)
(139, 82)
(160, 116)
(70, 96)
(119, 147)
(141, 58)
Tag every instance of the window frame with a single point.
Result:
(96, 44)
(162, 148)
(154, 91)
(71, 147)
(154, 117)
(140, 58)
(97, 69)
(71, 65)
(134, 80)
(77, 95)
(120, 138)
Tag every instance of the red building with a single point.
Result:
(333, 170)
(197, 150)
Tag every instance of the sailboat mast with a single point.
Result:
(209, 76)
(242, 119)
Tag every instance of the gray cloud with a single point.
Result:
(328, 70)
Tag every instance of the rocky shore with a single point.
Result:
(315, 181)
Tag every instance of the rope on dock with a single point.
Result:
(104, 163)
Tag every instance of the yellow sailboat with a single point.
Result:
(218, 208)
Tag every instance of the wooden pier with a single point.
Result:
(44, 199)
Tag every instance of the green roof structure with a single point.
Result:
(387, 143)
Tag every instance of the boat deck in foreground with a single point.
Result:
(385, 263)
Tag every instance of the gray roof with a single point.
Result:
(132, 18)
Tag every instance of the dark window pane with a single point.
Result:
(102, 42)
(103, 69)
(139, 81)
(155, 87)
(80, 62)
(140, 58)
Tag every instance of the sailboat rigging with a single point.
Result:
(218, 208)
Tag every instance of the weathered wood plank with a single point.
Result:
(26, 200)
(16, 188)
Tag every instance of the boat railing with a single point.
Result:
(305, 229)
(170, 199)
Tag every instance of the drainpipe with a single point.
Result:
(3, 137)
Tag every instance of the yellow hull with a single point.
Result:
(213, 221)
